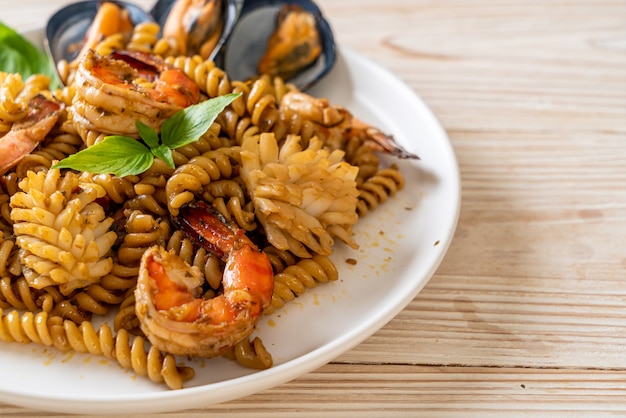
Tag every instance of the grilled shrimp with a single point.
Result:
(339, 124)
(26, 134)
(172, 312)
(116, 90)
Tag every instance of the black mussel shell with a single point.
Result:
(231, 10)
(248, 41)
(247, 29)
(66, 28)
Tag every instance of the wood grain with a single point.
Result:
(527, 313)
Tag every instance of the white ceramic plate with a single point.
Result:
(401, 245)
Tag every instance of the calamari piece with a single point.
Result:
(61, 230)
(293, 46)
(169, 304)
(304, 198)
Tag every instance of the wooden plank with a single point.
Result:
(345, 390)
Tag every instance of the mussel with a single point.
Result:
(279, 36)
(286, 38)
(199, 26)
(67, 31)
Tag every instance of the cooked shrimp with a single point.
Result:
(339, 124)
(114, 91)
(170, 307)
(26, 134)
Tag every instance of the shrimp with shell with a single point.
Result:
(339, 124)
(170, 305)
(115, 91)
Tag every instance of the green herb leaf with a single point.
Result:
(164, 153)
(187, 125)
(118, 155)
(18, 55)
(124, 156)
(148, 134)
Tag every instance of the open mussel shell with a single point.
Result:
(231, 10)
(248, 41)
(247, 27)
(65, 30)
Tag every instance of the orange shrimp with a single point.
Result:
(339, 124)
(172, 312)
(26, 134)
(113, 92)
(171, 85)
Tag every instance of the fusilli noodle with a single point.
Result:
(289, 170)
(65, 335)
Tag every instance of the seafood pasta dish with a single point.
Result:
(153, 208)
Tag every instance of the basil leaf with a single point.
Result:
(14, 62)
(187, 125)
(18, 55)
(118, 155)
(124, 156)
(148, 134)
(164, 153)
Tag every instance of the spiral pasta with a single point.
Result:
(125, 317)
(57, 148)
(18, 294)
(213, 81)
(65, 335)
(144, 36)
(235, 211)
(295, 279)
(294, 172)
(190, 178)
(141, 232)
(15, 94)
(251, 354)
(378, 188)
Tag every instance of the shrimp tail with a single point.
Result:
(381, 141)
(207, 228)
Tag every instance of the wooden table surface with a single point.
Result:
(527, 312)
